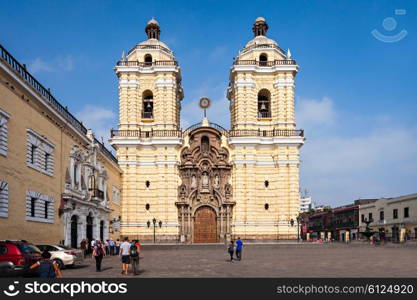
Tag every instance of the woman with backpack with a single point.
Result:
(98, 253)
(47, 268)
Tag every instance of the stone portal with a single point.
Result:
(205, 203)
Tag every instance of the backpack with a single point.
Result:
(99, 251)
(46, 269)
(134, 251)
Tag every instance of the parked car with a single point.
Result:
(17, 256)
(63, 255)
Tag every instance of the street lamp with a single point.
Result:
(154, 227)
(298, 227)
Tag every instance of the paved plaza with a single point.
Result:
(265, 260)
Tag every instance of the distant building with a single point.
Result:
(394, 218)
(340, 223)
(305, 203)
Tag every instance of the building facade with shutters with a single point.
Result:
(206, 183)
(57, 182)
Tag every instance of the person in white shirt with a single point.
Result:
(125, 255)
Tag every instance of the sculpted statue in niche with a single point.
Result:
(205, 180)
(182, 191)
(193, 182)
(216, 181)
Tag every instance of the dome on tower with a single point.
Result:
(153, 32)
(260, 41)
(260, 19)
(260, 28)
(153, 21)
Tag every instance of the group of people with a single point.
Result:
(110, 247)
(235, 248)
(128, 252)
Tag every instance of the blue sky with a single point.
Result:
(355, 96)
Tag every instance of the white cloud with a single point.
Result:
(38, 65)
(99, 119)
(316, 112)
(57, 64)
(368, 162)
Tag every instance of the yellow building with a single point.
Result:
(207, 183)
(392, 218)
(57, 182)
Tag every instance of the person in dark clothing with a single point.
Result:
(134, 256)
(98, 253)
(231, 249)
(239, 246)
(83, 247)
(47, 268)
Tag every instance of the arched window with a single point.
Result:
(205, 144)
(91, 182)
(264, 104)
(148, 59)
(263, 58)
(147, 112)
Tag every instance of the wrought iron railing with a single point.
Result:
(147, 115)
(145, 134)
(228, 133)
(106, 151)
(126, 63)
(265, 63)
(96, 193)
(152, 47)
(264, 114)
(266, 133)
(42, 91)
(212, 125)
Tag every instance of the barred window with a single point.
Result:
(40, 153)
(4, 118)
(4, 199)
(39, 207)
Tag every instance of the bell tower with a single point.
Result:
(149, 85)
(261, 88)
(263, 139)
(148, 137)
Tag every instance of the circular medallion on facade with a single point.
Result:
(205, 103)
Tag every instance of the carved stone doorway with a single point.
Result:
(205, 204)
(205, 225)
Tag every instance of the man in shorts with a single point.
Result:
(125, 255)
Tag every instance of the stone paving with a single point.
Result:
(263, 260)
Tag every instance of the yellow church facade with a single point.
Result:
(207, 184)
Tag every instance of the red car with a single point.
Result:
(16, 257)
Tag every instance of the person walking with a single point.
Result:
(111, 244)
(231, 249)
(134, 257)
(239, 247)
(98, 253)
(47, 268)
(83, 247)
(124, 253)
(92, 244)
(117, 245)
